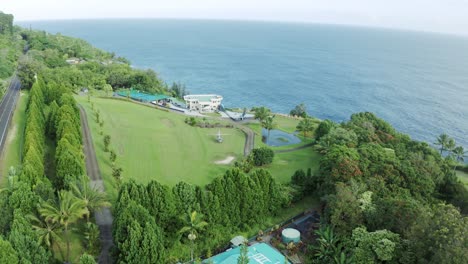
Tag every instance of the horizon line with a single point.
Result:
(303, 22)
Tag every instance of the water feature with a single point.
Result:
(279, 138)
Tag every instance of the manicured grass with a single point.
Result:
(463, 176)
(285, 164)
(157, 145)
(13, 147)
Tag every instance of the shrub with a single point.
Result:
(262, 156)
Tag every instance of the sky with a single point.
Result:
(447, 16)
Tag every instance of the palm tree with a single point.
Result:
(93, 199)
(451, 145)
(66, 211)
(442, 141)
(324, 145)
(328, 247)
(261, 113)
(269, 124)
(459, 154)
(194, 224)
(47, 232)
(305, 125)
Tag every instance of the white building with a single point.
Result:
(203, 102)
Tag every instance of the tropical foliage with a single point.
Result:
(386, 196)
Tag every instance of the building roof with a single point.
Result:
(258, 254)
(202, 97)
(141, 96)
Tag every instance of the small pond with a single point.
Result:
(279, 138)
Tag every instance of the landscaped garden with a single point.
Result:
(157, 145)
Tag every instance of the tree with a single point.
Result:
(442, 141)
(47, 232)
(324, 127)
(117, 174)
(269, 124)
(305, 126)
(87, 259)
(300, 110)
(23, 239)
(66, 211)
(262, 156)
(92, 238)
(459, 154)
(345, 210)
(374, 247)
(243, 257)
(137, 237)
(107, 88)
(92, 198)
(194, 225)
(261, 113)
(107, 140)
(450, 146)
(328, 246)
(112, 157)
(439, 236)
(7, 253)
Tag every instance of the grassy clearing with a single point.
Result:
(157, 145)
(285, 164)
(11, 156)
(463, 176)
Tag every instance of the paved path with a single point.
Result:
(249, 139)
(294, 149)
(104, 217)
(7, 107)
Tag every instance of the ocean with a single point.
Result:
(416, 81)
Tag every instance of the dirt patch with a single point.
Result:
(225, 161)
(11, 134)
(167, 122)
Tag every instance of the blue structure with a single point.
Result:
(143, 97)
(258, 254)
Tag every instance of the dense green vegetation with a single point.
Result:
(387, 198)
(10, 50)
(47, 202)
(232, 203)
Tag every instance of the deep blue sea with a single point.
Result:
(416, 81)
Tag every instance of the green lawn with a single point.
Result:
(11, 156)
(463, 176)
(285, 164)
(155, 145)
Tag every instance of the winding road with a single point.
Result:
(7, 107)
(103, 217)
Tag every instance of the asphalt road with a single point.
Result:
(7, 107)
(104, 217)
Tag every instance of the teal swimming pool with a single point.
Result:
(258, 254)
(142, 97)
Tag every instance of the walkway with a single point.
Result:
(294, 149)
(104, 217)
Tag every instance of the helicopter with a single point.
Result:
(219, 137)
